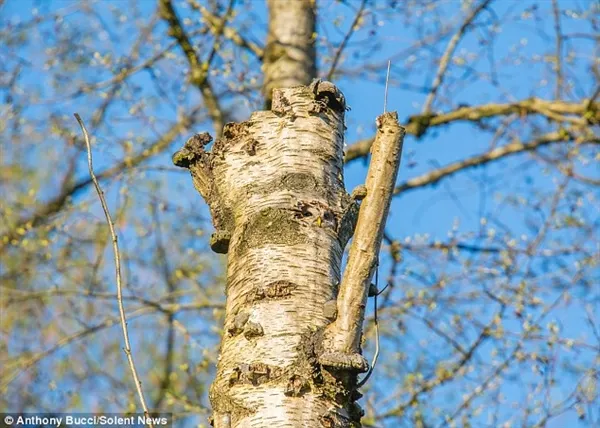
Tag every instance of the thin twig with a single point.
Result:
(590, 102)
(387, 79)
(127, 349)
(342, 46)
(445, 60)
(376, 322)
(559, 44)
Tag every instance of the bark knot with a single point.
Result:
(234, 130)
(342, 361)
(219, 241)
(238, 324)
(254, 374)
(317, 213)
(336, 418)
(296, 386)
(280, 105)
(359, 193)
(252, 330)
(274, 290)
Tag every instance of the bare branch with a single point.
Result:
(117, 256)
(345, 331)
(560, 111)
(342, 46)
(198, 68)
(436, 175)
(216, 22)
(57, 203)
(65, 341)
(559, 44)
(445, 60)
(444, 376)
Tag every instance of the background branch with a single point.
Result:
(198, 68)
(340, 49)
(560, 111)
(513, 148)
(445, 60)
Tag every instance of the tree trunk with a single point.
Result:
(290, 56)
(274, 185)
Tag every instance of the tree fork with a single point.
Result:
(274, 186)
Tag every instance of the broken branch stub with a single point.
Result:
(201, 163)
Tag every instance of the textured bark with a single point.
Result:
(343, 336)
(275, 188)
(290, 56)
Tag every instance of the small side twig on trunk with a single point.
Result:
(117, 256)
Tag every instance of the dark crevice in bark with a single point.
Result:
(238, 324)
(255, 374)
(273, 291)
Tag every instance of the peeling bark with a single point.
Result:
(274, 185)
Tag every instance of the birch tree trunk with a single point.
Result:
(290, 55)
(275, 188)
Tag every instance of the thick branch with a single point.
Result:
(579, 114)
(200, 163)
(344, 334)
(516, 147)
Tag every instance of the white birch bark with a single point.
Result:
(275, 188)
(290, 56)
